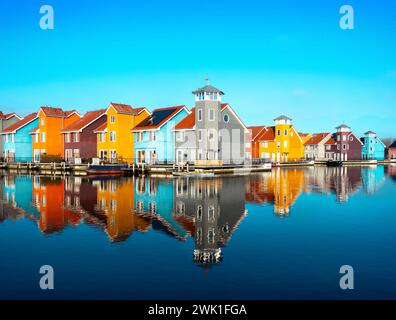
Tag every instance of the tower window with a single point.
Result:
(200, 115)
(226, 118)
(211, 114)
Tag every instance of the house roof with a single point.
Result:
(208, 88)
(158, 118)
(101, 128)
(9, 115)
(20, 124)
(34, 130)
(369, 132)
(331, 141)
(393, 145)
(283, 117)
(255, 131)
(85, 121)
(267, 135)
(123, 108)
(343, 126)
(57, 112)
(317, 138)
(188, 122)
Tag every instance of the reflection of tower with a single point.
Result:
(346, 181)
(211, 210)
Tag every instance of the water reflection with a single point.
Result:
(207, 209)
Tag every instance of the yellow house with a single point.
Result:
(282, 142)
(114, 137)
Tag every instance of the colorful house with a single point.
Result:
(114, 138)
(347, 145)
(17, 141)
(154, 137)
(253, 142)
(47, 137)
(392, 151)
(5, 121)
(79, 139)
(282, 142)
(373, 148)
(315, 147)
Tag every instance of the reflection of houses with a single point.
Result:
(391, 171)
(281, 187)
(115, 201)
(154, 200)
(48, 198)
(373, 178)
(211, 210)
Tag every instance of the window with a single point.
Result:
(67, 137)
(226, 118)
(36, 138)
(112, 136)
(200, 135)
(279, 132)
(278, 144)
(200, 115)
(42, 120)
(338, 138)
(113, 154)
(211, 114)
(285, 144)
(344, 147)
(43, 137)
(76, 153)
(12, 138)
(344, 138)
(77, 137)
(139, 136)
(211, 135)
(103, 154)
(152, 135)
(215, 96)
(351, 138)
(211, 213)
(102, 137)
(285, 132)
(199, 212)
(180, 136)
(6, 138)
(112, 119)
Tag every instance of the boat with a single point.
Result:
(334, 163)
(99, 169)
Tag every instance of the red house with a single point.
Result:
(347, 145)
(392, 151)
(253, 136)
(80, 140)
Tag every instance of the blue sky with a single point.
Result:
(269, 57)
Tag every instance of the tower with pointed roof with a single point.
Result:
(207, 114)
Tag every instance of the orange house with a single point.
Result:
(255, 132)
(47, 137)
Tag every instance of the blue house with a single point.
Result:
(373, 148)
(17, 140)
(154, 139)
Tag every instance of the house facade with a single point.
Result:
(212, 134)
(79, 139)
(114, 138)
(17, 141)
(154, 137)
(373, 148)
(254, 143)
(315, 147)
(392, 151)
(47, 137)
(347, 145)
(5, 121)
(282, 142)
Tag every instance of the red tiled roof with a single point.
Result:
(85, 120)
(317, 138)
(147, 123)
(255, 130)
(267, 135)
(331, 141)
(138, 110)
(303, 135)
(21, 123)
(34, 130)
(57, 112)
(123, 108)
(101, 128)
(188, 122)
(223, 106)
(8, 115)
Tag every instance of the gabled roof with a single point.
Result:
(352, 134)
(227, 106)
(85, 121)
(35, 130)
(58, 112)
(267, 135)
(393, 145)
(101, 128)
(343, 126)
(158, 118)
(9, 115)
(331, 141)
(208, 88)
(283, 117)
(317, 138)
(369, 132)
(255, 130)
(20, 124)
(188, 122)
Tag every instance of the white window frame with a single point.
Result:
(112, 119)
(200, 114)
(211, 114)
(179, 136)
(113, 136)
(43, 137)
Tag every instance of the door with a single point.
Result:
(141, 156)
(179, 156)
(36, 156)
(153, 156)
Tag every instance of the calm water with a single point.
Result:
(282, 234)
